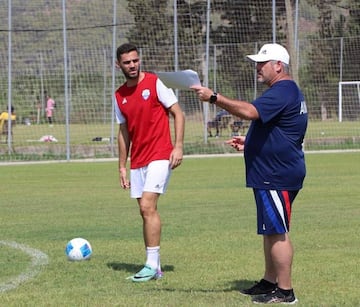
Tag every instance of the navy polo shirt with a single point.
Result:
(273, 151)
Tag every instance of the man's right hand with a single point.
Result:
(124, 182)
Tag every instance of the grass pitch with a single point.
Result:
(209, 246)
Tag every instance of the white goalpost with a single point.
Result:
(350, 95)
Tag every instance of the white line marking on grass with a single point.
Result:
(38, 261)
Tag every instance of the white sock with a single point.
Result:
(153, 256)
(159, 264)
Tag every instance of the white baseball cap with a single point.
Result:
(271, 52)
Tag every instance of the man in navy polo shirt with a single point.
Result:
(275, 164)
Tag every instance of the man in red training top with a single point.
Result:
(142, 111)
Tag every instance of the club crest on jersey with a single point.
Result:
(145, 94)
(124, 101)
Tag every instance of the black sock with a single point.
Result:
(268, 284)
(286, 292)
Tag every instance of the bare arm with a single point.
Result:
(239, 108)
(123, 146)
(179, 126)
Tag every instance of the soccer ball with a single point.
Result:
(78, 249)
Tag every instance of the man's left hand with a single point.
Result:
(176, 157)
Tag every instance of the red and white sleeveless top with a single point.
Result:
(144, 108)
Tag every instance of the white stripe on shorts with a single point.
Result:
(279, 206)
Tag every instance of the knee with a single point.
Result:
(147, 210)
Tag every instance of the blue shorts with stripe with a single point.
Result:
(273, 210)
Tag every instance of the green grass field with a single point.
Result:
(209, 246)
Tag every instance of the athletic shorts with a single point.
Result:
(273, 210)
(151, 178)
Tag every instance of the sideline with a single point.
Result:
(223, 155)
(38, 261)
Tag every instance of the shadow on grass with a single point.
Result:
(241, 284)
(235, 285)
(130, 267)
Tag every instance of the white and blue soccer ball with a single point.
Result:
(78, 249)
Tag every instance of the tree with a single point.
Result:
(354, 18)
(351, 44)
(149, 32)
(242, 24)
(324, 55)
(190, 20)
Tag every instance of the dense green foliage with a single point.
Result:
(236, 28)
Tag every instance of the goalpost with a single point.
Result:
(350, 95)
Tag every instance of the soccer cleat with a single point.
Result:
(276, 297)
(261, 287)
(145, 274)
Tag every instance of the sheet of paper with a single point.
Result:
(181, 80)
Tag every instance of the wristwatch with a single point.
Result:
(213, 98)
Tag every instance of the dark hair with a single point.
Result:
(125, 48)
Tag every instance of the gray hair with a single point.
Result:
(285, 66)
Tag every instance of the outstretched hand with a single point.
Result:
(203, 93)
(237, 142)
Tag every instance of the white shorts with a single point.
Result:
(151, 178)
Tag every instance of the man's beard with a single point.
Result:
(131, 77)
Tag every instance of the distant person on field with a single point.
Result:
(275, 164)
(4, 118)
(50, 106)
(142, 111)
(215, 123)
